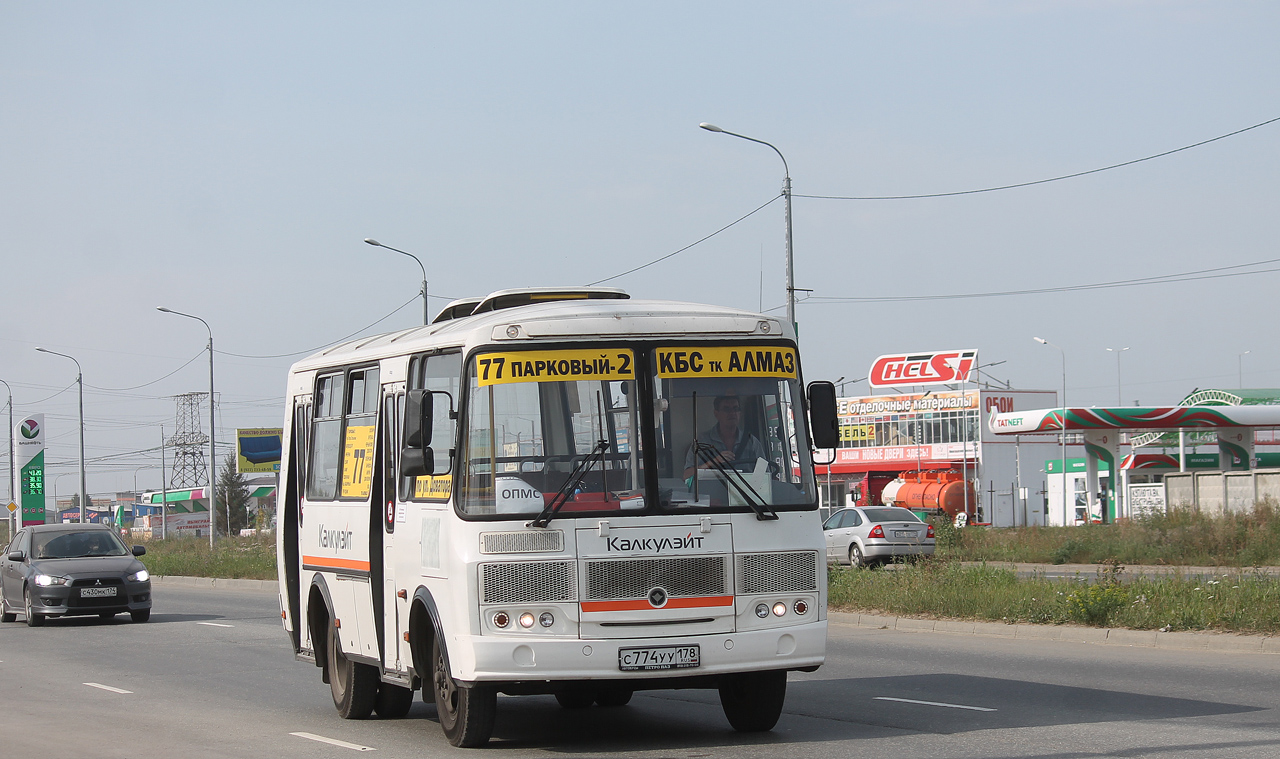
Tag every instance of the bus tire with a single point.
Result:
(466, 714)
(393, 701)
(752, 701)
(354, 686)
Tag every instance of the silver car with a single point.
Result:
(867, 535)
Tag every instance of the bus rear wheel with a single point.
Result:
(354, 686)
(393, 701)
(466, 714)
(752, 701)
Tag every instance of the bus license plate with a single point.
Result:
(96, 592)
(659, 657)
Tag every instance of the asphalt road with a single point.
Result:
(211, 675)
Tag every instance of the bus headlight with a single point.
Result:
(762, 611)
(546, 619)
(526, 620)
(779, 609)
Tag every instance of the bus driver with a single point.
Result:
(734, 447)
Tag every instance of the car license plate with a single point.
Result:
(659, 657)
(904, 533)
(97, 592)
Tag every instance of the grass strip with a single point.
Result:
(1181, 537)
(251, 558)
(1236, 601)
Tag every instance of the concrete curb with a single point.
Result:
(216, 583)
(1256, 644)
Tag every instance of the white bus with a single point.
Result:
(536, 494)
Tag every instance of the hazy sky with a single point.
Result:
(226, 159)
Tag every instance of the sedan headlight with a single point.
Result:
(45, 581)
(141, 575)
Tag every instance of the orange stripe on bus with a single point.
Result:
(322, 561)
(672, 603)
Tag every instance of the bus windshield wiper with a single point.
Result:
(710, 453)
(574, 479)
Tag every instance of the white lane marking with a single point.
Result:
(333, 741)
(107, 687)
(934, 703)
(213, 624)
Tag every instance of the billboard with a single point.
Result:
(28, 467)
(928, 368)
(258, 450)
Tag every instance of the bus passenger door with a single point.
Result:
(395, 608)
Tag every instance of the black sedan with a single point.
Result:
(62, 570)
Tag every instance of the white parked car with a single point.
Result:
(866, 535)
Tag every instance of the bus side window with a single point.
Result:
(444, 374)
(440, 373)
(326, 439)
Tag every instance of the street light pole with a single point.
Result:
(1239, 371)
(425, 313)
(1118, 351)
(84, 494)
(786, 197)
(213, 490)
(13, 515)
(1063, 436)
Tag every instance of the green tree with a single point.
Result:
(233, 497)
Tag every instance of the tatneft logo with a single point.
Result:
(1014, 422)
(30, 429)
(654, 545)
(937, 368)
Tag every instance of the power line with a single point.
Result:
(690, 245)
(326, 345)
(1190, 276)
(1041, 181)
(152, 382)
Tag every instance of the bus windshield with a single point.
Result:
(546, 426)
(728, 428)
(540, 422)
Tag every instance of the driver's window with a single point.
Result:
(442, 375)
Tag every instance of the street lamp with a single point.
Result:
(1239, 370)
(1117, 351)
(786, 196)
(13, 515)
(425, 318)
(1063, 436)
(84, 495)
(213, 490)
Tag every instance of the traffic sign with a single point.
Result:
(12, 506)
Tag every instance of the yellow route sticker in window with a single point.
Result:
(727, 361)
(554, 366)
(433, 488)
(357, 461)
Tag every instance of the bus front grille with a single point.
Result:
(528, 541)
(527, 582)
(777, 572)
(688, 576)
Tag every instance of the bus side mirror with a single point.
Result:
(417, 462)
(823, 421)
(417, 419)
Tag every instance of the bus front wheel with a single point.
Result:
(752, 701)
(466, 714)
(354, 685)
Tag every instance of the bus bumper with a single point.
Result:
(505, 659)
